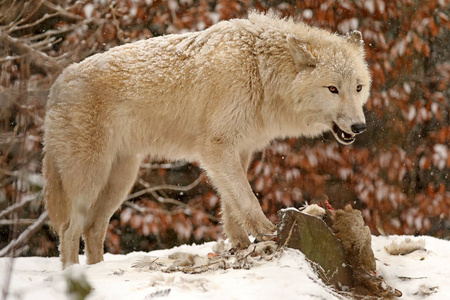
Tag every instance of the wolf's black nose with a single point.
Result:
(358, 128)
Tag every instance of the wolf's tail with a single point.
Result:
(55, 198)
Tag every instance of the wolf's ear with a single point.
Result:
(302, 56)
(355, 37)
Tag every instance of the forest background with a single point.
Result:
(396, 173)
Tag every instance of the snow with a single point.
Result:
(88, 10)
(420, 274)
(347, 25)
(440, 156)
(307, 14)
(370, 6)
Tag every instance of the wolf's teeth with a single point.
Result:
(343, 135)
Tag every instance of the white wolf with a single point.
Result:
(214, 96)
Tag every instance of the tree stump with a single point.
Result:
(339, 249)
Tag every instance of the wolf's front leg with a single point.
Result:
(242, 213)
(233, 229)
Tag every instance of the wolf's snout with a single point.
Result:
(358, 128)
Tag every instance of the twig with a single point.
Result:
(290, 234)
(163, 165)
(152, 191)
(24, 236)
(17, 206)
(63, 11)
(49, 62)
(58, 31)
(225, 266)
(165, 200)
(136, 207)
(38, 21)
(18, 222)
(166, 187)
(145, 210)
(192, 270)
(8, 172)
(7, 11)
(119, 34)
(20, 20)
(410, 278)
(8, 58)
(47, 43)
(247, 255)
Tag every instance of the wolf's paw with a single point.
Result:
(262, 227)
(239, 242)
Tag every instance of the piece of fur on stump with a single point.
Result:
(348, 225)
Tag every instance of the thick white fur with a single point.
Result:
(214, 96)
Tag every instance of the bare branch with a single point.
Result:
(47, 44)
(58, 31)
(42, 19)
(166, 187)
(8, 58)
(136, 207)
(19, 21)
(9, 210)
(145, 210)
(21, 222)
(152, 191)
(168, 200)
(3, 15)
(24, 236)
(44, 42)
(120, 34)
(173, 165)
(8, 10)
(39, 58)
(63, 11)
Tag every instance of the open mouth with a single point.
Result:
(342, 136)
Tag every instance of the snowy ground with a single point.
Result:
(419, 275)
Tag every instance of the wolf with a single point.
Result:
(213, 96)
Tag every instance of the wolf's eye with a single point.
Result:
(333, 89)
(359, 88)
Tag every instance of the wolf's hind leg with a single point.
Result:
(82, 179)
(122, 176)
(70, 241)
(59, 206)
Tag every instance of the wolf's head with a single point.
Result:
(332, 83)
